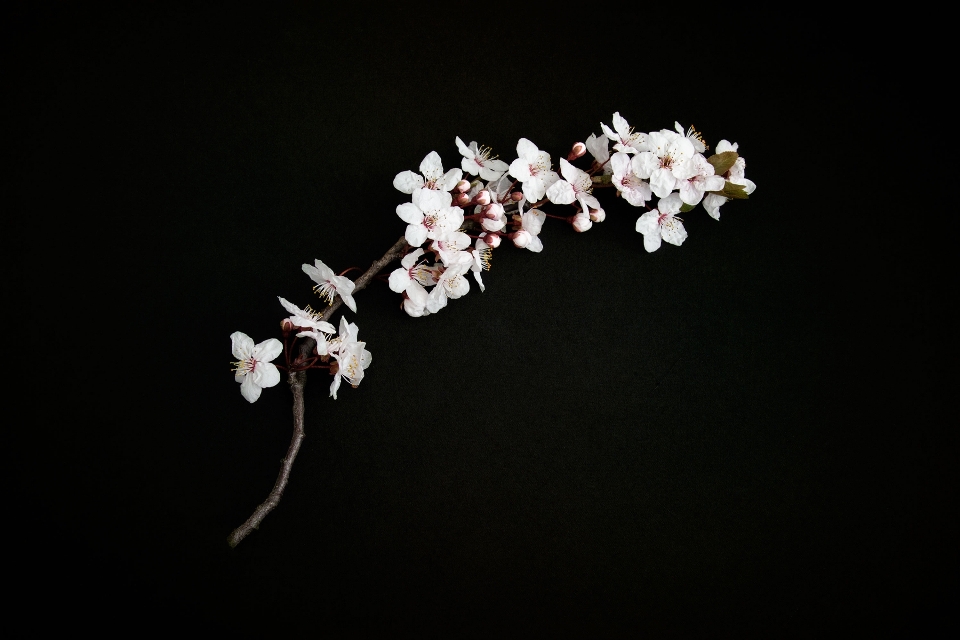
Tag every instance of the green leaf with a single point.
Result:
(733, 191)
(687, 207)
(722, 161)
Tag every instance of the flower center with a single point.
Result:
(244, 366)
(327, 291)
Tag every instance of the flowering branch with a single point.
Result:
(668, 164)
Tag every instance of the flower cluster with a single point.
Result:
(445, 207)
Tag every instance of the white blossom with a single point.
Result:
(627, 140)
(634, 190)
(576, 185)
(662, 223)
(664, 164)
(533, 169)
(352, 358)
(253, 369)
(429, 214)
(329, 285)
(477, 161)
(432, 176)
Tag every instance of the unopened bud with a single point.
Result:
(520, 238)
(516, 196)
(578, 150)
(492, 240)
(462, 199)
(581, 223)
(482, 198)
(286, 326)
(463, 186)
(598, 215)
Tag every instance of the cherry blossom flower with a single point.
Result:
(633, 189)
(329, 285)
(576, 185)
(664, 164)
(429, 214)
(306, 318)
(700, 179)
(530, 224)
(433, 176)
(412, 271)
(477, 161)
(627, 140)
(482, 254)
(352, 358)
(532, 168)
(253, 369)
(452, 284)
(661, 223)
(450, 247)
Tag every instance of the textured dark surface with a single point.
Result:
(738, 436)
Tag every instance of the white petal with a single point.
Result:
(520, 169)
(647, 223)
(399, 279)
(526, 149)
(408, 181)
(410, 213)
(561, 193)
(431, 167)
(535, 244)
(415, 235)
(241, 345)
(464, 150)
(651, 242)
(249, 389)
(268, 350)
(673, 232)
(348, 300)
(269, 374)
(450, 179)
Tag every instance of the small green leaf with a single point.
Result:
(722, 161)
(686, 207)
(733, 191)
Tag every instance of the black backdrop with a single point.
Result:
(739, 436)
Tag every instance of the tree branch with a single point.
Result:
(297, 380)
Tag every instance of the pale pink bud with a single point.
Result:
(578, 150)
(581, 223)
(492, 240)
(493, 211)
(520, 238)
(482, 198)
(598, 215)
(462, 199)
(286, 326)
(516, 196)
(462, 186)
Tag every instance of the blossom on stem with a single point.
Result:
(452, 284)
(253, 369)
(693, 136)
(662, 223)
(664, 164)
(329, 285)
(634, 190)
(627, 140)
(429, 214)
(352, 358)
(700, 179)
(532, 168)
(576, 185)
(477, 161)
(433, 176)
(310, 321)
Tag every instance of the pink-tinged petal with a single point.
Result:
(464, 150)
(533, 189)
(415, 234)
(639, 195)
(648, 223)
(526, 150)
(269, 375)
(520, 169)
(399, 279)
(469, 165)
(241, 345)
(673, 232)
(651, 242)
(407, 181)
(268, 350)
(521, 239)
(410, 213)
(249, 389)
(432, 166)
(561, 192)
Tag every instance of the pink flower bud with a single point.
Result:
(581, 222)
(493, 211)
(286, 326)
(516, 196)
(463, 186)
(462, 199)
(482, 198)
(492, 240)
(598, 215)
(578, 150)
(520, 239)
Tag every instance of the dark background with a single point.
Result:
(739, 436)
